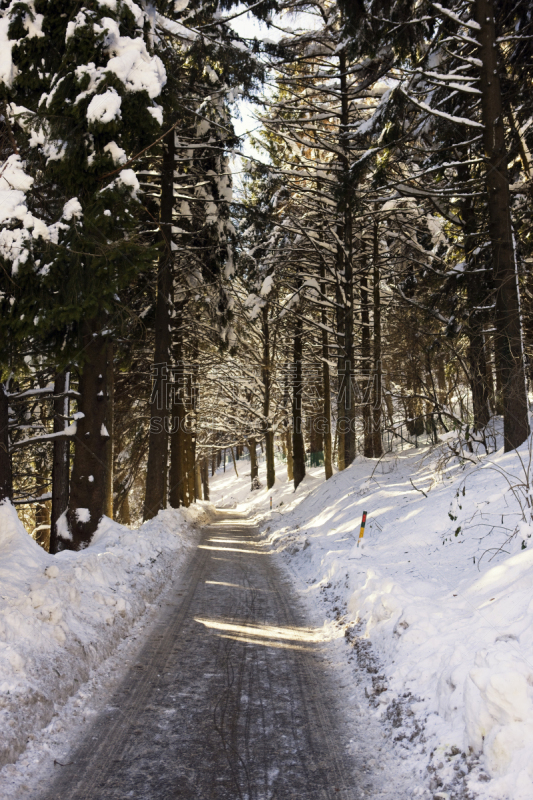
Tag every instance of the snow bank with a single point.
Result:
(441, 588)
(60, 616)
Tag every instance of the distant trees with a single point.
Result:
(391, 134)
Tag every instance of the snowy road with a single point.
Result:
(228, 699)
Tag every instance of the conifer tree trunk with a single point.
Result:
(368, 447)
(188, 460)
(477, 362)
(346, 405)
(290, 462)
(156, 470)
(188, 445)
(6, 480)
(232, 450)
(266, 373)
(198, 481)
(507, 317)
(388, 399)
(60, 464)
(205, 477)
(254, 468)
(474, 287)
(87, 503)
(298, 450)
(177, 489)
(341, 393)
(196, 486)
(487, 347)
(377, 444)
(110, 424)
(441, 380)
(326, 385)
(123, 514)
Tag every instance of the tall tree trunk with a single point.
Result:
(110, 425)
(198, 480)
(254, 468)
(298, 449)
(205, 477)
(341, 386)
(507, 317)
(87, 503)
(156, 470)
(346, 404)
(189, 442)
(177, 489)
(6, 480)
(476, 299)
(266, 375)
(290, 460)
(377, 400)
(123, 515)
(366, 371)
(232, 449)
(188, 461)
(177, 474)
(326, 383)
(388, 398)
(60, 464)
(487, 346)
(41, 532)
(441, 381)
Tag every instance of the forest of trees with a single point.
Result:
(369, 279)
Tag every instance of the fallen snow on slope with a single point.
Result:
(62, 616)
(442, 591)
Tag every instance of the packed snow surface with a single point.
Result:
(440, 589)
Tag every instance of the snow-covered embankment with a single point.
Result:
(61, 616)
(442, 590)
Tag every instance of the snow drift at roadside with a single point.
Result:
(441, 588)
(60, 616)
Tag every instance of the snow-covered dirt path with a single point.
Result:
(233, 695)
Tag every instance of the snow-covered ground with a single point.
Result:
(437, 603)
(69, 624)
(430, 619)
